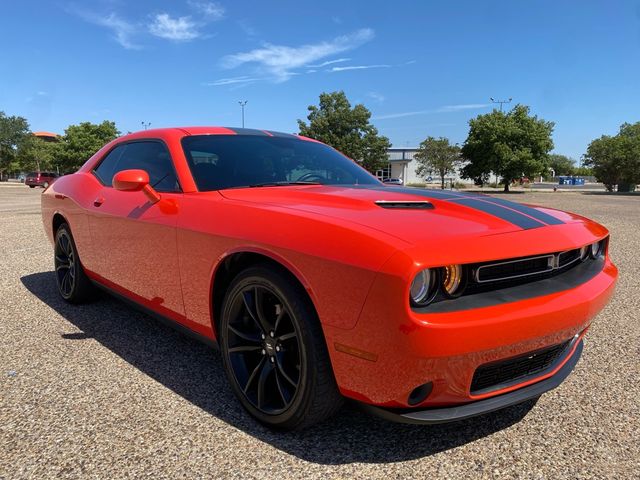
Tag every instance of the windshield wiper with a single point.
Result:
(280, 184)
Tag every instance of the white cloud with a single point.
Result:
(464, 106)
(278, 61)
(210, 10)
(231, 81)
(444, 109)
(178, 29)
(122, 29)
(356, 67)
(329, 62)
(378, 97)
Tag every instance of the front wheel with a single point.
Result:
(274, 352)
(73, 284)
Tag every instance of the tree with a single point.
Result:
(616, 159)
(511, 145)
(37, 154)
(437, 155)
(13, 132)
(346, 129)
(81, 141)
(562, 165)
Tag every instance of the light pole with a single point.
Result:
(146, 124)
(242, 104)
(501, 102)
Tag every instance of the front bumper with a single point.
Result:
(480, 407)
(446, 348)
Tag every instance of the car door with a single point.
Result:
(136, 238)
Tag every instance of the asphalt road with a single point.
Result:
(102, 391)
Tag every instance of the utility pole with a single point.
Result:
(501, 102)
(242, 104)
(146, 124)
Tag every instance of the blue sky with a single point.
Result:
(422, 68)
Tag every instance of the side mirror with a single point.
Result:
(135, 181)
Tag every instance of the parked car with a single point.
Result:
(392, 181)
(318, 282)
(40, 179)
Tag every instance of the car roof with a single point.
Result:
(211, 130)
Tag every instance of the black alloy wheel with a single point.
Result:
(65, 264)
(274, 351)
(73, 284)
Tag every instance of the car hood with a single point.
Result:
(411, 214)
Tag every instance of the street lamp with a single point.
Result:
(242, 104)
(501, 102)
(146, 124)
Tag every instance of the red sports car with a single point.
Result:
(318, 282)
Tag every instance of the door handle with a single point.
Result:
(98, 201)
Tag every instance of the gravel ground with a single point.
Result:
(102, 391)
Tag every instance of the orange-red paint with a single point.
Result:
(355, 259)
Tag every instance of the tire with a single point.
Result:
(73, 284)
(284, 379)
(32, 186)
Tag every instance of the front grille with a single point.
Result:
(500, 374)
(514, 268)
(567, 258)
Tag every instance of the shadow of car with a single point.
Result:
(351, 436)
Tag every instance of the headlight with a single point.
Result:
(585, 252)
(597, 249)
(422, 288)
(452, 281)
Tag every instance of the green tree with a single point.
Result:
(37, 154)
(81, 141)
(616, 159)
(346, 129)
(509, 144)
(562, 165)
(437, 155)
(13, 132)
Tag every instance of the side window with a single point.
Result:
(152, 157)
(107, 168)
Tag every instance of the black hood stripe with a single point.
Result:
(532, 212)
(501, 212)
(512, 212)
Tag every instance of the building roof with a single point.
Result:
(46, 134)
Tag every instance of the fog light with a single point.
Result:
(452, 280)
(420, 394)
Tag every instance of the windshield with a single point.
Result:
(232, 161)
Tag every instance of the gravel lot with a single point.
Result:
(102, 391)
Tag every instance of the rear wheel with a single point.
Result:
(32, 186)
(274, 351)
(73, 284)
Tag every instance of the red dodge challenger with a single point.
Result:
(318, 282)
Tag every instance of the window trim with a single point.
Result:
(139, 140)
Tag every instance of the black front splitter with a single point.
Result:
(480, 407)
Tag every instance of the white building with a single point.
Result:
(402, 165)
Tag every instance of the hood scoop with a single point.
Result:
(405, 204)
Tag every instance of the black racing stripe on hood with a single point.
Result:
(502, 209)
(532, 212)
(501, 212)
